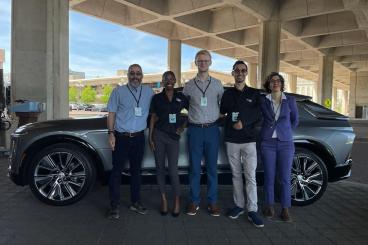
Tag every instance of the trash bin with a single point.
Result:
(27, 111)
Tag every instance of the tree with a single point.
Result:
(73, 94)
(88, 95)
(106, 91)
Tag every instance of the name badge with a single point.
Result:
(234, 116)
(138, 111)
(203, 101)
(172, 118)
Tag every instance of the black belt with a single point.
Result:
(135, 134)
(203, 125)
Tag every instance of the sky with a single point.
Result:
(99, 48)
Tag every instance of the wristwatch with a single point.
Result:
(110, 131)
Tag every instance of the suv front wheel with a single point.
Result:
(61, 174)
(308, 177)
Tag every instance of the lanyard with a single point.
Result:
(140, 93)
(203, 92)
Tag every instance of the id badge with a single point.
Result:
(138, 111)
(234, 116)
(172, 118)
(203, 101)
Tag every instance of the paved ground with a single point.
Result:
(340, 217)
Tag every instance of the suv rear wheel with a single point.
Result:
(308, 177)
(61, 174)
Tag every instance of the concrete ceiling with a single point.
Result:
(310, 28)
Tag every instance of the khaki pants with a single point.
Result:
(243, 158)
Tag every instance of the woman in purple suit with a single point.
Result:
(280, 116)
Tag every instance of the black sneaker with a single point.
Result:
(235, 212)
(138, 208)
(113, 213)
(254, 218)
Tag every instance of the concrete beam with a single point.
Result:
(336, 40)
(236, 53)
(322, 25)
(115, 12)
(261, 9)
(209, 43)
(73, 3)
(296, 9)
(243, 37)
(157, 6)
(199, 20)
(352, 58)
(299, 55)
(221, 22)
(290, 45)
(170, 30)
(185, 7)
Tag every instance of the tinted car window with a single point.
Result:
(318, 110)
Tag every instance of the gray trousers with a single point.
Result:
(243, 157)
(166, 147)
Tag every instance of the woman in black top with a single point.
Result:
(166, 125)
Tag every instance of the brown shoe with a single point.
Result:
(269, 212)
(192, 209)
(285, 216)
(214, 210)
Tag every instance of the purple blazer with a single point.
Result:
(287, 121)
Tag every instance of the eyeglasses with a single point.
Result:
(275, 81)
(135, 73)
(240, 71)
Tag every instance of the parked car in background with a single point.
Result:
(73, 106)
(100, 108)
(60, 160)
(89, 107)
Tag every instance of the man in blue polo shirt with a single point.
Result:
(127, 119)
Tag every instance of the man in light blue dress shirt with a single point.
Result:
(128, 108)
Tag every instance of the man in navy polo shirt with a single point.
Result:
(127, 119)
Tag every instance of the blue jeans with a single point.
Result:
(132, 149)
(277, 155)
(203, 142)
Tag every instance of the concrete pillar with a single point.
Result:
(345, 102)
(325, 79)
(174, 59)
(40, 54)
(352, 93)
(334, 98)
(252, 75)
(293, 80)
(269, 49)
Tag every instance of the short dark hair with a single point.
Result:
(239, 62)
(134, 65)
(167, 73)
(266, 84)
